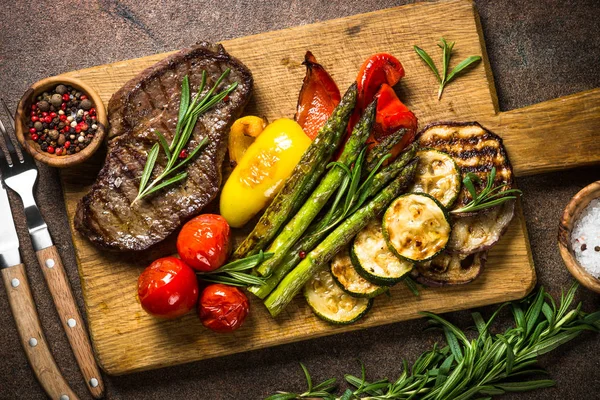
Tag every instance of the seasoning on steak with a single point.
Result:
(147, 103)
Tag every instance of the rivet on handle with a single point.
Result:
(64, 397)
(94, 382)
(49, 263)
(33, 342)
(71, 322)
(15, 282)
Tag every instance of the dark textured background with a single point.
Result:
(538, 50)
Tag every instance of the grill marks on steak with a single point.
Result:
(147, 103)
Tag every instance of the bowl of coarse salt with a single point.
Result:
(579, 236)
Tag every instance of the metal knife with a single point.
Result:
(24, 310)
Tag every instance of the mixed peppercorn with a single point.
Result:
(63, 121)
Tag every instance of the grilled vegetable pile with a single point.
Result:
(366, 208)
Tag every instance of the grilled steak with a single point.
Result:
(474, 148)
(147, 103)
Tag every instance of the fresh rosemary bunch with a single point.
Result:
(189, 112)
(490, 365)
(489, 197)
(234, 274)
(445, 77)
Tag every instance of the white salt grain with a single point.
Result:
(585, 238)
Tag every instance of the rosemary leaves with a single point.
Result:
(489, 365)
(489, 197)
(189, 112)
(235, 273)
(444, 78)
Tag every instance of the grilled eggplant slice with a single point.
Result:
(416, 227)
(474, 148)
(451, 269)
(332, 304)
(349, 280)
(373, 260)
(437, 175)
(479, 232)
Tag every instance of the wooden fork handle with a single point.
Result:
(69, 315)
(32, 337)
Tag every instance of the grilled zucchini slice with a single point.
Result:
(416, 227)
(332, 304)
(373, 260)
(349, 280)
(438, 176)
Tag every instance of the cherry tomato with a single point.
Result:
(203, 242)
(222, 308)
(168, 288)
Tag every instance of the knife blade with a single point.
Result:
(9, 241)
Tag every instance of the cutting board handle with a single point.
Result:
(562, 133)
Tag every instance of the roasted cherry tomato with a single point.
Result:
(392, 116)
(222, 308)
(203, 242)
(168, 288)
(318, 97)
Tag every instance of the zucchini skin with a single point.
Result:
(304, 177)
(377, 280)
(314, 307)
(331, 321)
(452, 200)
(379, 290)
(387, 237)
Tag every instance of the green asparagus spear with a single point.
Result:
(315, 234)
(334, 242)
(382, 148)
(309, 168)
(317, 200)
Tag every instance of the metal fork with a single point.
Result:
(20, 174)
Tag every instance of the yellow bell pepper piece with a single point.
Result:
(262, 170)
(242, 134)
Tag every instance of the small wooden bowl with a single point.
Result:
(22, 122)
(570, 216)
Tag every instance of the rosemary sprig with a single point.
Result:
(487, 366)
(234, 273)
(445, 77)
(352, 191)
(189, 112)
(489, 197)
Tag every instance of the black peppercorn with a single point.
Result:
(597, 248)
(583, 247)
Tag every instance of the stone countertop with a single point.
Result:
(538, 51)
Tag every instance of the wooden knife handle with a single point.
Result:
(32, 336)
(553, 135)
(69, 315)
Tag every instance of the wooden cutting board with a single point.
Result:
(126, 339)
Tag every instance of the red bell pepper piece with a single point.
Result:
(318, 97)
(392, 116)
(378, 69)
(376, 77)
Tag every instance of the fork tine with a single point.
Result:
(9, 146)
(12, 119)
(25, 157)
